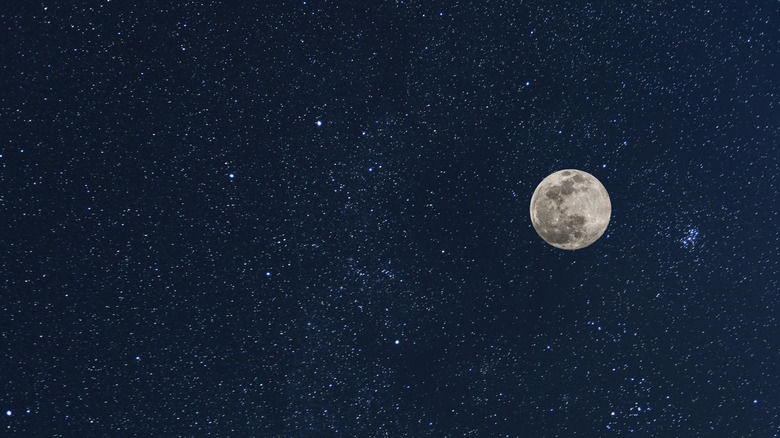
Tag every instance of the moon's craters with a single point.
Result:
(570, 209)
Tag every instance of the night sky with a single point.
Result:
(311, 219)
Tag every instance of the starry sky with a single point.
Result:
(311, 218)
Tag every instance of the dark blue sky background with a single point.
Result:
(311, 219)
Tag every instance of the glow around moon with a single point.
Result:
(570, 209)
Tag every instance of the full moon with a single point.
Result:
(570, 209)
